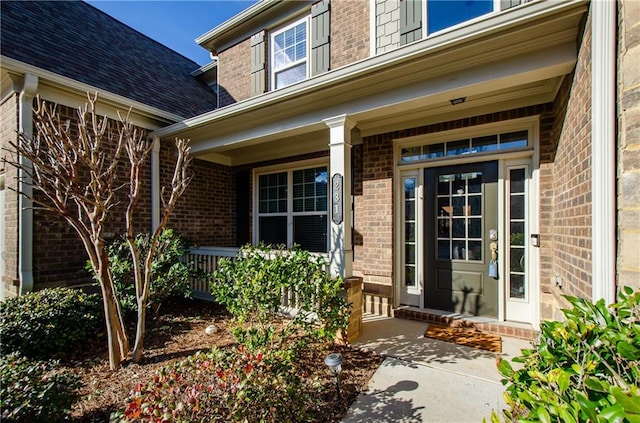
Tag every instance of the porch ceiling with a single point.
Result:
(510, 60)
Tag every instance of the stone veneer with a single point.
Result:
(628, 265)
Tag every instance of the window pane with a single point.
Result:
(455, 148)
(411, 153)
(482, 144)
(310, 190)
(517, 207)
(459, 250)
(516, 179)
(310, 233)
(442, 14)
(513, 140)
(475, 251)
(516, 288)
(433, 151)
(517, 233)
(443, 250)
(291, 75)
(517, 260)
(443, 228)
(273, 230)
(475, 228)
(458, 228)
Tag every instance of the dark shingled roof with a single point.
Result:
(76, 40)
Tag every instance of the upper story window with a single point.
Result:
(289, 53)
(420, 18)
(445, 14)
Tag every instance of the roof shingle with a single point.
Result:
(76, 40)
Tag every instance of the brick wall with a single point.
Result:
(387, 33)
(8, 127)
(629, 144)
(59, 256)
(205, 212)
(349, 32)
(234, 73)
(565, 191)
(374, 189)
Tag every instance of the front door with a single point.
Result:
(461, 227)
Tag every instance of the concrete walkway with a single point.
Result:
(426, 380)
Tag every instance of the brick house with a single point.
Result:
(478, 158)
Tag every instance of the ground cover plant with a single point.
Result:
(583, 369)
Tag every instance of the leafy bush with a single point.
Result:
(254, 285)
(45, 323)
(219, 386)
(35, 391)
(171, 275)
(583, 369)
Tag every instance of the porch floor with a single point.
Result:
(485, 324)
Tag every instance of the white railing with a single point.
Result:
(207, 259)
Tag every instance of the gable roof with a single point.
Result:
(76, 40)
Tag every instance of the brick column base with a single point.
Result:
(353, 295)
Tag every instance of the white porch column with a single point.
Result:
(603, 150)
(25, 205)
(155, 184)
(341, 250)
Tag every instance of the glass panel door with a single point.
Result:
(411, 290)
(518, 304)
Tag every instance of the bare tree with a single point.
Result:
(75, 168)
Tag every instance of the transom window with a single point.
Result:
(484, 144)
(292, 208)
(289, 54)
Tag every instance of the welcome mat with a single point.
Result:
(469, 337)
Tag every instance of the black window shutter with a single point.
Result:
(410, 21)
(320, 37)
(258, 64)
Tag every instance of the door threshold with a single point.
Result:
(486, 324)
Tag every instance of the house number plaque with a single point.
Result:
(336, 198)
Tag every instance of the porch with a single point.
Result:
(375, 305)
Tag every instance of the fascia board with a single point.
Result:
(80, 88)
(519, 16)
(495, 76)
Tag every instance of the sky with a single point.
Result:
(174, 23)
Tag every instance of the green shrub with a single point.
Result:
(49, 322)
(219, 386)
(583, 369)
(171, 273)
(252, 288)
(35, 391)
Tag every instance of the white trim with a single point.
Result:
(603, 153)
(71, 84)
(25, 205)
(373, 28)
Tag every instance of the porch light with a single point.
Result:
(458, 100)
(334, 362)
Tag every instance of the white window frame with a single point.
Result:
(288, 168)
(272, 67)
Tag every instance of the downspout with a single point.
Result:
(25, 205)
(155, 184)
(603, 150)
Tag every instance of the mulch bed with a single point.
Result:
(180, 332)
